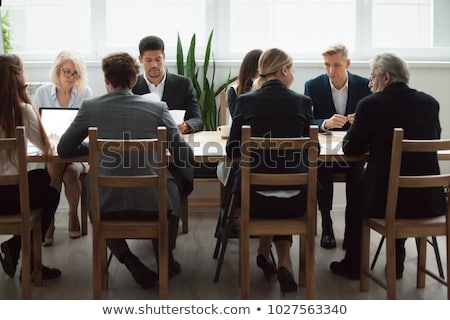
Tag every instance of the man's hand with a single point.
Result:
(351, 118)
(184, 127)
(336, 121)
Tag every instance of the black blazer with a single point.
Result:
(319, 90)
(272, 110)
(179, 94)
(397, 106)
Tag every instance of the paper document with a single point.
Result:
(178, 116)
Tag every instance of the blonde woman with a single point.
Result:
(68, 89)
(274, 109)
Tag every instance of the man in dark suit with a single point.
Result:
(115, 113)
(177, 91)
(393, 105)
(334, 96)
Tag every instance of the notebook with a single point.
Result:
(57, 120)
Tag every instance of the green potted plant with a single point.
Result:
(6, 32)
(204, 84)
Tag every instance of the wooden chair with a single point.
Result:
(303, 226)
(83, 202)
(27, 222)
(103, 229)
(393, 228)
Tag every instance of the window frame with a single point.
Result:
(217, 17)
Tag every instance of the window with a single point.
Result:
(417, 29)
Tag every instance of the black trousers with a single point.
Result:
(354, 172)
(119, 247)
(41, 196)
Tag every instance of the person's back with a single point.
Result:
(121, 115)
(276, 111)
(393, 105)
(418, 114)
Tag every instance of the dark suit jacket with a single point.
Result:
(397, 106)
(179, 94)
(272, 110)
(319, 90)
(121, 113)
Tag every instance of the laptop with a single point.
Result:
(57, 120)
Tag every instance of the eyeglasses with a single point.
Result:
(68, 74)
(372, 77)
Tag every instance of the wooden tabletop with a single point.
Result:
(208, 146)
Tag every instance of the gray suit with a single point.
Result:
(118, 115)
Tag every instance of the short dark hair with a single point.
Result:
(151, 43)
(121, 69)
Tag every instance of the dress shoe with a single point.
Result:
(145, 277)
(47, 273)
(287, 282)
(267, 267)
(9, 261)
(174, 268)
(50, 273)
(344, 269)
(327, 241)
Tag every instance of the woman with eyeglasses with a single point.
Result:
(68, 89)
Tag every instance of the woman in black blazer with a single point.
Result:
(273, 109)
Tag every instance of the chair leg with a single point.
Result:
(377, 253)
(224, 234)
(84, 209)
(244, 252)
(37, 255)
(26, 265)
(302, 274)
(184, 214)
(435, 245)
(390, 268)
(421, 261)
(365, 257)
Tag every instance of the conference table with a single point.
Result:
(208, 146)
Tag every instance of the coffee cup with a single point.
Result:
(224, 131)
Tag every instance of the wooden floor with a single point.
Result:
(194, 251)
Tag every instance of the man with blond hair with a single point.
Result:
(334, 95)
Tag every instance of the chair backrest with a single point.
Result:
(396, 181)
(223, 106)
(17, 145)
(310, 145)
(144, 146)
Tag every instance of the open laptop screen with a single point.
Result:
(57, 120)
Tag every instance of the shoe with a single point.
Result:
(174, 268)
(74, 227)
(287, 282)
(50, 273)
(48, 241)
(9, 261)
(47, 273)
(145, 277)
(267, 267)
(327, 241)
(343, 269)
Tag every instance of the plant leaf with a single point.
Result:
(180, 56)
